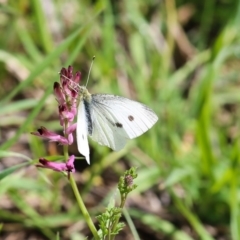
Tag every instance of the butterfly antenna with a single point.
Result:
(90, 70)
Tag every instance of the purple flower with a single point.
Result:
(65, 114)
(53, 137)
(71, 129)
(69, 132)
(58, 167)
(66, 93)
(58, 93)
(69, 82)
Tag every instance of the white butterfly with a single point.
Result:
(110, 120)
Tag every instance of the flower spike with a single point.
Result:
(66, 93)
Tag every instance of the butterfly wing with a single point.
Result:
(104, 130)
(83, 123)
(115, 119)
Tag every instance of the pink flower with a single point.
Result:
(58, 167)
(67, 75)
(71, 128)
(66, 93)
(70, 82)
(58, 93)
(53, 137)
(66, 114)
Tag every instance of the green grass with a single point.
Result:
(188, 163)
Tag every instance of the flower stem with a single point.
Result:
(65, 152)
(83, 208)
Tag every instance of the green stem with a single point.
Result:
(78, 196)
(83, 208)
(123, 200)
(65, 152)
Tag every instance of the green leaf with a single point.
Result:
(4, 173)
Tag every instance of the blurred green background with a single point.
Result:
(181, 58)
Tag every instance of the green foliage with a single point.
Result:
(109, 220)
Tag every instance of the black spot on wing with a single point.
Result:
(119, 125)
(130, 118)
(88, 116)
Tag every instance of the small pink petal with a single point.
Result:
(70, 72)
(77, 77)
(52, 136)
(58, 93)
(58, 167)
(70, 164)
(70, 138)
(71, 128)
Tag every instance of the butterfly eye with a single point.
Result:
(131, 118)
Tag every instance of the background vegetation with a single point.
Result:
(181, 58)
